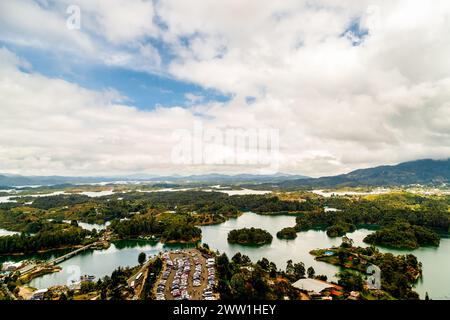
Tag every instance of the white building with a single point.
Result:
(11, 266)
(313, 286)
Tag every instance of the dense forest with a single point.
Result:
(249, 236)
(52, 236)
(288, 233)
(385, 210)
(399, 273)
(240, 279)
(171, 230)
(403, 236)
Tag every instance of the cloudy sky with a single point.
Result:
(341, 84)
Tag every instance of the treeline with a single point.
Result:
(250, 236)
(48, 202)
(52, 238)
(264, 204)
(169, 231)
(427, 213)
(403, 236)
(288, 233)
(240, 279)
(398, 273)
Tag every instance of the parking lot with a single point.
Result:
(186, 275)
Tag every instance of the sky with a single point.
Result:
(118, 87)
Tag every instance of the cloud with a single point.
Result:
(110, 31)
(339, 102)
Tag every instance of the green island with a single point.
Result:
(288, 233)
(403, 235)
(419, 219)
(249, 236)
(398, 273)
(48, 236)
(340, 229)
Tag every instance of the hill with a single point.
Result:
(425, 172)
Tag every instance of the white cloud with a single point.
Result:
(110, 31)
(338, 106)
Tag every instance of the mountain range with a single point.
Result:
(425, 172)
(8, 180)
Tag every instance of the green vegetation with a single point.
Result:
(340, 229)
(403, 236)
(51, 236)
(240, 279)
(154, 268)
(288, 233)
(172, 228)
(142, 257)
(382, 210)
(249, 236)
(399, 273)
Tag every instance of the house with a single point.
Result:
(354, 295)
(11, 266)
(39, 294)
(316, 287)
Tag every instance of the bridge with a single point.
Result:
(69, 255)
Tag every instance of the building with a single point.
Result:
(316, 287)
(11, 266)
(39, 294)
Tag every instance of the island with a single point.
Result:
(399, 273)
(403, 236)
(288, 233)
(250, 236)
(340, 229)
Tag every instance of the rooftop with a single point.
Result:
(313, 285)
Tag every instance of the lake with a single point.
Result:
(436, 261)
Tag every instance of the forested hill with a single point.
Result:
(425, 172)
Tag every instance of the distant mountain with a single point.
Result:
(240, 178)
(16, 180)
(8, 180)
(425, 172)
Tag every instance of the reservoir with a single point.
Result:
(436, 261)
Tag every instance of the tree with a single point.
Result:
(264, 264)
(341, 256)
(351, 281)
(237, 258)
(299, 270)
(142, 257)
(290, 267)
(311, 272)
